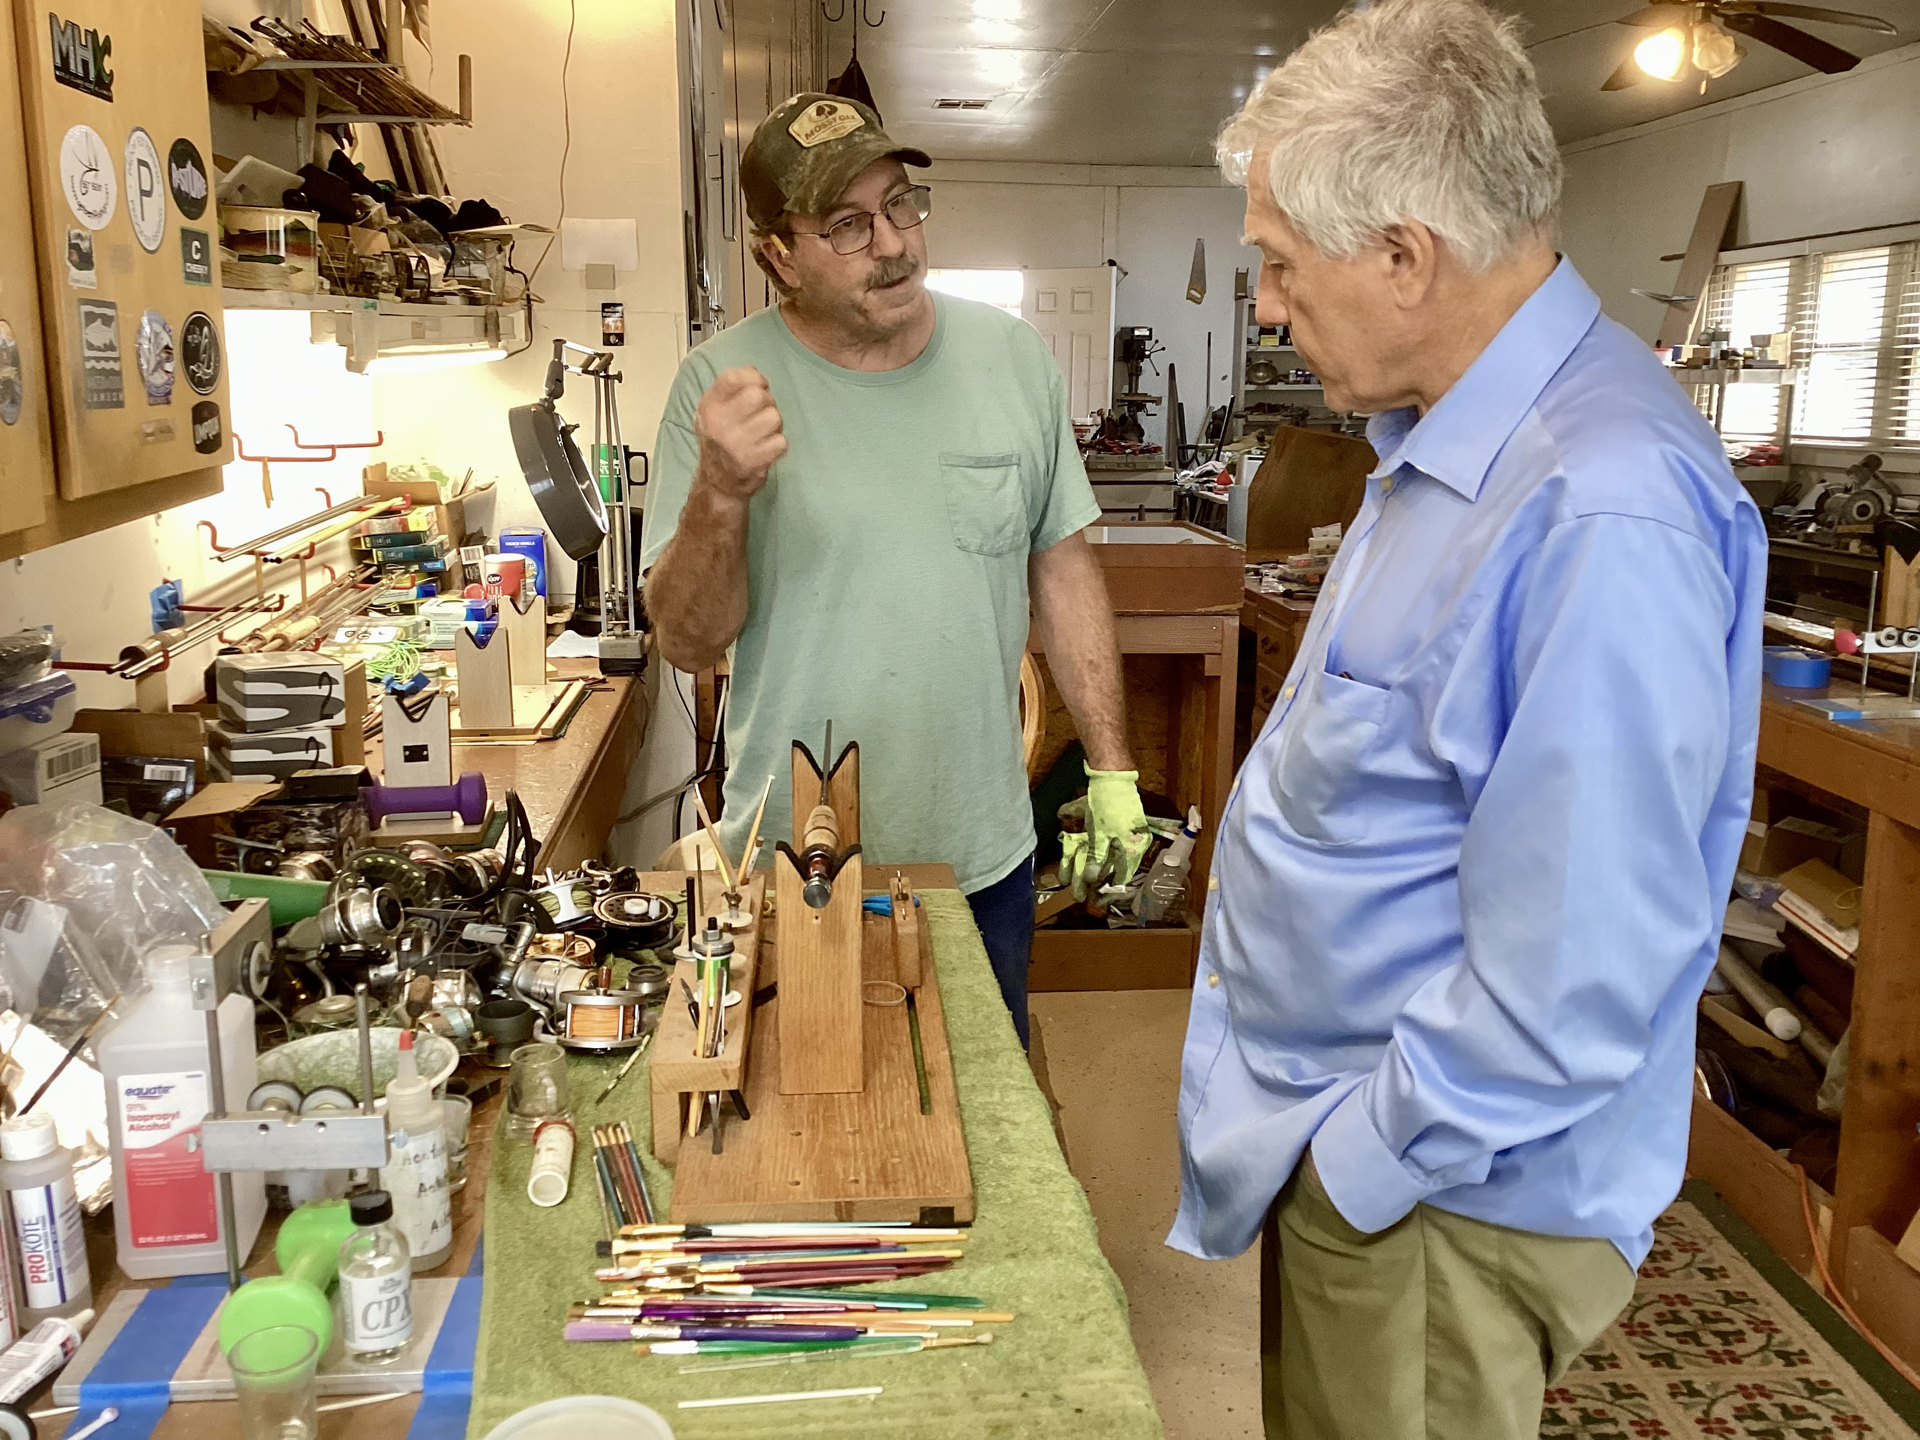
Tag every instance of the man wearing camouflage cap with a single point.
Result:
(861, 490)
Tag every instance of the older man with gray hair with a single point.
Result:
(1470, 880)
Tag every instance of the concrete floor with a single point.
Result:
(1114, 1062)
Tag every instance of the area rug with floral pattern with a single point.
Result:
(1711, 1346)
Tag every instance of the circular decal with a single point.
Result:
(146, 191)
(153, 353)
(200, 352)
(13, 390)
(86, 176)
(187, 179)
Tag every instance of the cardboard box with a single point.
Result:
(1827, 890)
(267, 755)
(65, 768)
(280, 691)
(1789, 843)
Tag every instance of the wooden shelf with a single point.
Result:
(234, 299)
(1756, 376)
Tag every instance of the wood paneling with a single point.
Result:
(26, 443)
(1757, 1183)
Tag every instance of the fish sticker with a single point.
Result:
(100, 384)
(187, 178)
(207, 436)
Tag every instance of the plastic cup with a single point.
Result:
(274, 1380)
(536, 1089)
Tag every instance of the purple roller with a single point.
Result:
(466, 797)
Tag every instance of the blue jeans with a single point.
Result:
(1004, 913)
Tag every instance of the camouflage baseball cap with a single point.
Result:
(806, 153)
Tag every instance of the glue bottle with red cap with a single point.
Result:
(415, 1174)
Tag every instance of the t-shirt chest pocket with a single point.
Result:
(986, 503)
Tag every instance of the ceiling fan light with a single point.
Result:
(1715, 52)
(1663, 54)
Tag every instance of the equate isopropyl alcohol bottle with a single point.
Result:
(166, 1206)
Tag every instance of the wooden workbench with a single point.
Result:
(1876, 769)
(572, 788)
(1177, 619)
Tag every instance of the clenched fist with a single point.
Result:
(740, 436)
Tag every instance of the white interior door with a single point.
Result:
(1073, 311)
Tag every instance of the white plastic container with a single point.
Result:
(37, 711)
(1163, 894)
(46, 1228)
(166, 1207)
(415, 1174)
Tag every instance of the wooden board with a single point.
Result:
(1760, 1185)
(1885, 1290)
(526, 639)
(869, 1155)
(676, 1071)
(1711, 228)
(843, 794)
(158, 87)
(484, 676)
(26, 439)
(820, 973)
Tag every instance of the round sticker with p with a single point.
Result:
(86, 176)
(146, 191)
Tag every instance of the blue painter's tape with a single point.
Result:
(446, 1394)
(137, 1368)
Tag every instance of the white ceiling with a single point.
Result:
(1149, 82)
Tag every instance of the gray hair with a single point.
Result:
(1408, 109)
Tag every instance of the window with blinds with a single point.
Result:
(1855, 315)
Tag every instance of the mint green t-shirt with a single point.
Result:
(887, 576)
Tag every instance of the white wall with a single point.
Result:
(1829, 152)
(623, 160)
(994, 215)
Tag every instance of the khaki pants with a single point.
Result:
(1437, 1328)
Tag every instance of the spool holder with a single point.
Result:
(269, 1139)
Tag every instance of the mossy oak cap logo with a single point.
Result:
(806, 153)
(80, 57)
(828, 120)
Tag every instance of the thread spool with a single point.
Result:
(603, 1019)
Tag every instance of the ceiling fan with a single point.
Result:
(1698, 36)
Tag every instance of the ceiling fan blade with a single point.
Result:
(1625, 78)
(1655, 16)
(1807, 49)
(1809, 12)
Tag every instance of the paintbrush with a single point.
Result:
(73, 1050)
(713, 838)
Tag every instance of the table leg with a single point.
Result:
(1879, 1179)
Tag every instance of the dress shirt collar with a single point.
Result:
(1457, 441)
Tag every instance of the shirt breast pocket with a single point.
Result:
(1321, 778)
(986, 503)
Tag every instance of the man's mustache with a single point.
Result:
(893, 269)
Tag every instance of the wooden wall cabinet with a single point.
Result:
(114, 99)
(26, 454)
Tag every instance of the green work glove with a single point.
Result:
(1073, 862)
(1116, 821)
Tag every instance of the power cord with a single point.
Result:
(1834, 1292)
(566, 147)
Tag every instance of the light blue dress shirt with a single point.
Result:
(1472, 875)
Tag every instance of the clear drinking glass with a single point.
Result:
(273, 1376)
(536, 1089)
(457, 1111)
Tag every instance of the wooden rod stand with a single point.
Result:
(679, 1076)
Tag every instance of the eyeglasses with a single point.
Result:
(904, 211)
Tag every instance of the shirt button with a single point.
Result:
(1213, 980)
(1334, 589)
(1386, 486)
(1287, 694)
(1213, 882)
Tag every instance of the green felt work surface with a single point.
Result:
(1065, 1368)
